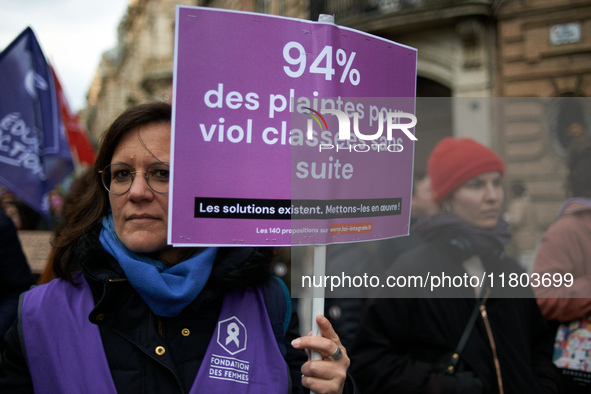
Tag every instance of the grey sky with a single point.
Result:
(73, 34)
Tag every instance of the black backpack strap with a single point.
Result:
(455, 357)
(278, 304)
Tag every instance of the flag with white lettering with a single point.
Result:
(34, 151)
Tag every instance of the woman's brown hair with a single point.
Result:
(92, 200)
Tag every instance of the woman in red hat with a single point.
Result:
(454, 318)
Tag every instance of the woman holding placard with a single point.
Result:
(128, 313)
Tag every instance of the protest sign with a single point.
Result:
(259, 104)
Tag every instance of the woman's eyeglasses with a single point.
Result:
(118, 177)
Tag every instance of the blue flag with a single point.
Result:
(34, 151)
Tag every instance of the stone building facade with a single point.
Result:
(504, 72)
(518, 73)
(140, 68)
(544, 58)
(456, 60)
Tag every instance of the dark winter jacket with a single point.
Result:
(358, 259)
(129, 329)
(401, 339)
(15, 274)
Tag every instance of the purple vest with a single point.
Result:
(65, 352)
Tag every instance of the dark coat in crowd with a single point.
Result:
(15, 274)
(359, 259)
(402, 340)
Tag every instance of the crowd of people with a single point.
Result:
(122, 311)
(479, 339)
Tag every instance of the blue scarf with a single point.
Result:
(166, 290)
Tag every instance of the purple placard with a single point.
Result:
(235, 107)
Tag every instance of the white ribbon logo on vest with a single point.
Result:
(232, 335)
(233, 332)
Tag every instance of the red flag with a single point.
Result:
(82, 149)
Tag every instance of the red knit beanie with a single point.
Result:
(455, 161)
